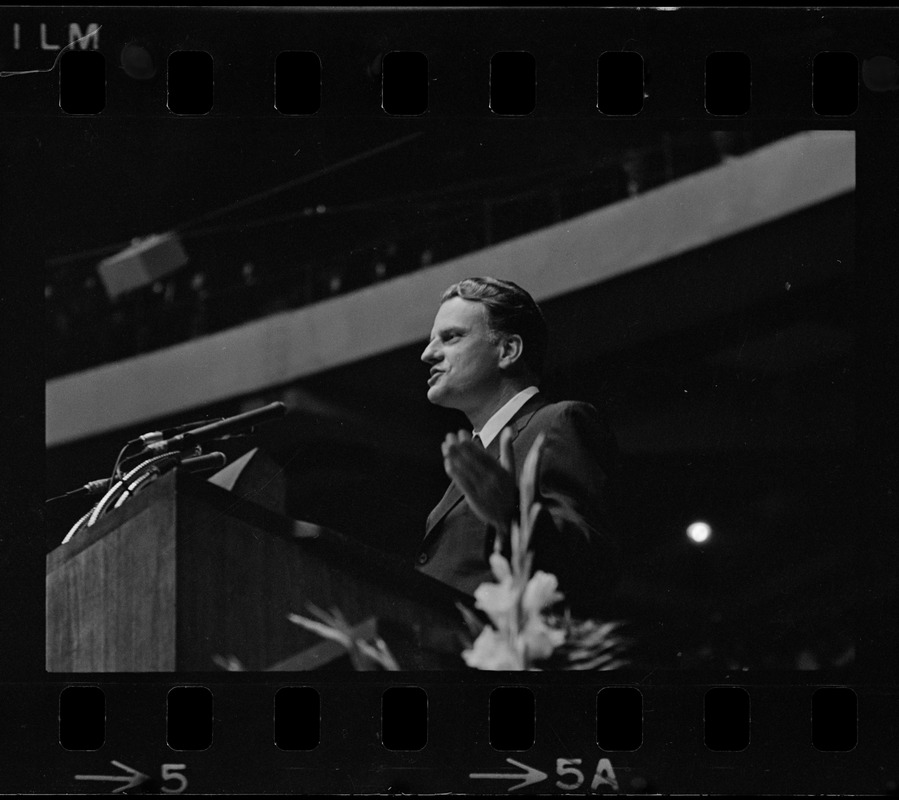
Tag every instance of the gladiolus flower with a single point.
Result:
(492, 651)
(539, 640)
(497, 600)
(540, 592)
(500, 567)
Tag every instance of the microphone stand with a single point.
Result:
(167, 453)
(138, 477)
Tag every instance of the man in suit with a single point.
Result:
(486, 354)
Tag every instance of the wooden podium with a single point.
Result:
(186, 571)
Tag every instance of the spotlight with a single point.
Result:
(699, 532)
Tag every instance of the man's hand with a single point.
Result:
(488, 485)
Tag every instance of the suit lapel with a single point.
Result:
(523, 417)
(453, 494)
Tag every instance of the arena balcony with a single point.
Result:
(240, 272)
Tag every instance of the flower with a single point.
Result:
(539, 640)
(523, 633)
(540, 592)
(493, 651)
(501, 568)
(497, 599)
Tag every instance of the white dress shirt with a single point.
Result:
(502, 417)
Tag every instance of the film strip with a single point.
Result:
(706, 154)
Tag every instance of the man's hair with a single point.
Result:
(510, 310)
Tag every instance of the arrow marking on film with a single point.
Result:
(134, 778)
(529, 776)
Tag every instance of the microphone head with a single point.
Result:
(204, 463)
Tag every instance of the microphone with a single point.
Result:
(219, 428)
(93, 487)
(203, 463)
(155, 436)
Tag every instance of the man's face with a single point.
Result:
(464, 359)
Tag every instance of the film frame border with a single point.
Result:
(874, 683)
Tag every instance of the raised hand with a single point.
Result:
(488, 485)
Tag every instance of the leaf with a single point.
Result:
(528, 481)
(230, 664)
(599, 665)
(533, 513)
(340, 620)
(475, 625)
(378, 654)
(360, 662)
(516, 546)
(389, 661)
(323, 630)
(325, 616)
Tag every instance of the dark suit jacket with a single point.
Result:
(573, 537)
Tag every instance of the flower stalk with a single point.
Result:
(523, 634)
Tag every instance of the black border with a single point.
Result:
(784, 39)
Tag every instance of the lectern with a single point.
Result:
(186, 571)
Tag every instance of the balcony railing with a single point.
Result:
(248, 270)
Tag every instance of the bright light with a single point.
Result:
(699, 531)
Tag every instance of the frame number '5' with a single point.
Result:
(170, 772)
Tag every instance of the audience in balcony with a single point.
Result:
(86, 329)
